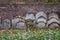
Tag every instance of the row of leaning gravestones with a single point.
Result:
(41, 21)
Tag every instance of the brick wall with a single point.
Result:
(10, 10)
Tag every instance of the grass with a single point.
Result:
(33, 34)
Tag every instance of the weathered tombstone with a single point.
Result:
(0, 22)
(41, 18)
(54, 25)
(41, 23)
(30, 16)
(20, 25)
(14, 21)
(6, 24)
(53, 15)
(53, 20)
(41, 14)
